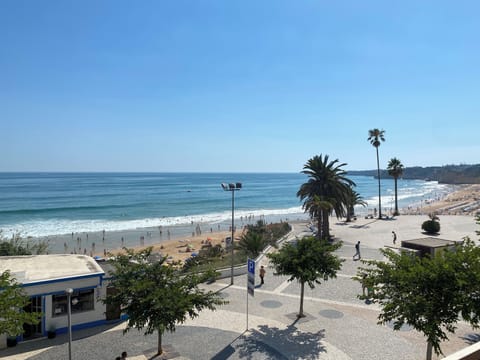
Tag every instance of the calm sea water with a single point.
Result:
(43, 204)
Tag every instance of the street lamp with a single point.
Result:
(69, 293)
(232, 188)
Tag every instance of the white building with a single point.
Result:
(45, 279)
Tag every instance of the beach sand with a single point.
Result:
(182, 249)
(464, 201)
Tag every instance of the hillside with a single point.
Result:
(448, 174)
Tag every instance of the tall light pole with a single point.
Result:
(232, 188)
(69, 293)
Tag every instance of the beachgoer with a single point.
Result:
(394, 237)
(262, 274)
(357, 251)
(124, 355)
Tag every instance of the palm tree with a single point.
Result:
(395, 169)
(375, 137)
(326, 191)
(252, 243)
(353, 199)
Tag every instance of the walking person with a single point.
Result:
(262, 274)
(357, 251)
(394, 237)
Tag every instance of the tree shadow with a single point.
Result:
(276, 343)
(471, 338)
(364, 226)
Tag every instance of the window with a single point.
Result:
(82, 300)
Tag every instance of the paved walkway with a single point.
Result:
(337, 326)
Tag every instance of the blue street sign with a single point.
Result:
(251, 276)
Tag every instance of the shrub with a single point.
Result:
(431, 226)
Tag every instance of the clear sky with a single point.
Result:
(236, 86)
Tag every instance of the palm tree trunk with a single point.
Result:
(319, 226)
(302, 291)
(160, 351)
(326, 225)
(429, 351)
(379, 192)
(396, 197)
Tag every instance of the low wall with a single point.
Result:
(469, 353)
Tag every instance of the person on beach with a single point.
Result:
(357, 251)
(262, 275)
(124, 355)
(394, 237)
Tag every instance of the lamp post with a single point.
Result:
(232, 187)
(70, 301)
(69, 293)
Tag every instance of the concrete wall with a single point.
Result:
(469, 353)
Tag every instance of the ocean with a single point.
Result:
(49, 204)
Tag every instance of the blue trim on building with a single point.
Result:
(64, 279)
(44, 307)
(91, 324)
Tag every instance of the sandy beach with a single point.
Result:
(465, 200)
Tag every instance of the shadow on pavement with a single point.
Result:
(268, 342)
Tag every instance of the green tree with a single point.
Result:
(252, 243)
(307, 260)
(12, 301)
(18, 246)
(156, 296)
(376, 136)
(428, 293)
(395, 169)
(353, 199)
(326, 190)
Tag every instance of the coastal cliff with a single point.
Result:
(448, 174)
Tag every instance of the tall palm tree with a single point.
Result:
(375, 137)
(326, 191)
(395, 169)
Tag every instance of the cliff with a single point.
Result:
(448, 174)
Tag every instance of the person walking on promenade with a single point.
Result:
(394, 237)
(357, 251)
(262, 274)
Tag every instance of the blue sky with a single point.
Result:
(236, 86)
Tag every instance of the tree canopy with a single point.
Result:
(430, 293)
(308, 260)
(326, 190)
(12, 301)
(156, 296)
(395, 169)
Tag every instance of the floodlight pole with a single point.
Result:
(232, 188)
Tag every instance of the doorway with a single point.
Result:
(33, 331)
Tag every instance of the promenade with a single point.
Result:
(337, 325)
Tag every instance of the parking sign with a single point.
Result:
(251, 277)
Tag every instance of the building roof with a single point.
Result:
(430, 242)
(38, 268)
